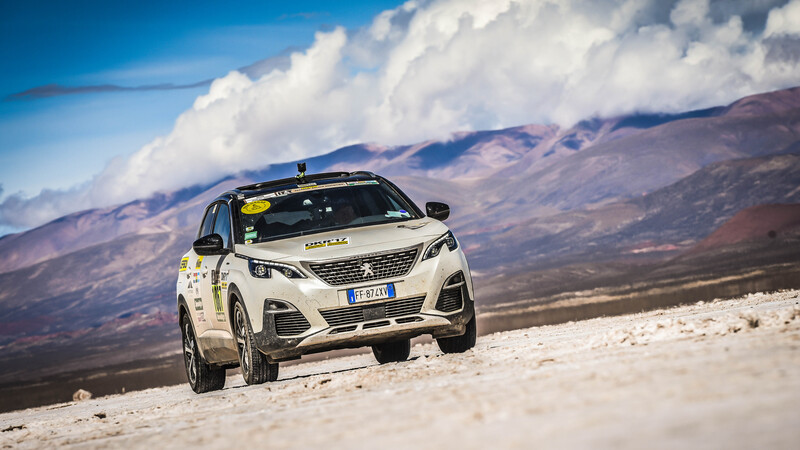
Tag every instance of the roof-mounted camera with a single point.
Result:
(301, 177)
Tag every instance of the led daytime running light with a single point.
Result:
(435, 248)
(288, 271)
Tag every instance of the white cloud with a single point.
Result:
(785, 20)
(426, 69)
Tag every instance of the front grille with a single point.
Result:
(409, 319)
(350, 271)
(404, 307)
(354, 314)
(382, 323)
(343, 316)
(450, 300)
(346, 329)
(291, 323)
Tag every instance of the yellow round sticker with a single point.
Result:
(256, 207)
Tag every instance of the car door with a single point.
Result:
(214, 283)
(202, 309)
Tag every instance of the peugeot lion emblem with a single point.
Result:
(367, 268)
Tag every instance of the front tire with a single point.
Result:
(392, 351)
(256, 369)
(202, 377)
(460, 344)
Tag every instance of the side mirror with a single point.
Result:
(438, 211)
(209, 245)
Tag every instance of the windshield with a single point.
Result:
(315, 208)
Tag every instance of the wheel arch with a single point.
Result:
(233, 295)
(183, 308)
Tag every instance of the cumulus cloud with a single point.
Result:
(425, 69)
(784, 21)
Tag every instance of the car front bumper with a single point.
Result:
(427, 302)
(435, 323)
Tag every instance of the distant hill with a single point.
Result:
(762, 222)
(491, 178)
(664, 222)
(535, 207)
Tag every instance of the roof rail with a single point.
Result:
(292, 180)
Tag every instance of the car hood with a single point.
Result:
(347, 242)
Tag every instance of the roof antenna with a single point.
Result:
(301, 178)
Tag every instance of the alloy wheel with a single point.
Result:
(241, 340)
(189, 353)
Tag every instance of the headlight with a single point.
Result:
(436, 247)
(263, 269)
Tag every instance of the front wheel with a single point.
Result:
(459, 344)
(256, 369)
(202, 377)
(392, 351)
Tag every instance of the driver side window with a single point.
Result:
(208, 221)
(222, 226)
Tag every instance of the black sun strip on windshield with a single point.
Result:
(309, 187)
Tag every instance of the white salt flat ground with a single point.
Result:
(721, 374)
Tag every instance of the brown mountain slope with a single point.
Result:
(495, 178)
(758, 222)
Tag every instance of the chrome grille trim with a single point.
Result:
(390, 264)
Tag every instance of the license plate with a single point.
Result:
(378, 292)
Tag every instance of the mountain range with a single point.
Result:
(540, 210)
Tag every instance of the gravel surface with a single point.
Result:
(722, 374)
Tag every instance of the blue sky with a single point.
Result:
(59, 142)
(102, 103)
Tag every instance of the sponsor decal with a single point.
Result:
(198, 304)
(306, 187)
(265, 197)
(199, 262)
(184, 264)
(313, 186)
(248, 229)
(249, 241)
(219, 306)
(278, 194)
(256, 207)
(250, 235)
(224, 285)
(223, 276)
(201, 316)
(327, 243)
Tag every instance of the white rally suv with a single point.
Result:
(315, 263)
